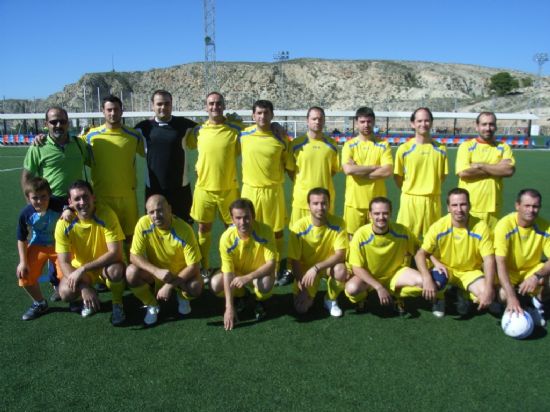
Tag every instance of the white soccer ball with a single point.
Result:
(516, 325)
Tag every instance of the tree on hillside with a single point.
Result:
(503, 83)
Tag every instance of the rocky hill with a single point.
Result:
(297, 84)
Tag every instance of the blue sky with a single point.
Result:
(47, 44)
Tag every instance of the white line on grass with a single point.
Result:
(10, 170)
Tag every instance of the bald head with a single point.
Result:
(159, 211)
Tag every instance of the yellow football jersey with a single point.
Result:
(523, 248)
(460, 249)
(263, 157)
(87, 239)
(485, 193)
(243, 256)
(422, 167)
(382, 255)
(310, 244)
(173, 249)
(313, 162)
(360, 189)
(113, 162)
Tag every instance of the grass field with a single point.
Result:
(370, 362)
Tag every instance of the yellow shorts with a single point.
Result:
(418, 213)
(125, 209)
(206, 202)
(269, 204)
(355, 218)
(37, 256)
(491, 218)
(517, 277)
(464, 279)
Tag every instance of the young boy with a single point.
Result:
(39, 218)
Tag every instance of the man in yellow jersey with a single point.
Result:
(89, 250)
(248, 254)
(420, 168)
(165, 256)
(317, 248)
(312, 161)
(217, 141)
(481, 165)
(366, 161)
(114, 147)
(461, 248)
(521, 239)
(263, 164)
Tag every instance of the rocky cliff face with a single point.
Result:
(298, 84)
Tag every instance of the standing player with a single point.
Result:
(521, 239)
(167, 156)
(217, 143)
(248, 254)
(420, 168)
(89, 250)
(379, 254)
(114, 147)
(312, 161)
(317, 248)
(164, 255)
(263, 161)
(459, 244)
(366, 161)
(481, 164)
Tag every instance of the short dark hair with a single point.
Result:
(458, 191)
(36, 184)
(242, 203)
(317, 108)
(161, 92)
(318, 191)
(262, 104)
(380, 199)
(57, 108)
(486, 114)
(216, 93)
(364, 112)
(80, 184)
(111, 99)
(413, 115)
(529, 191)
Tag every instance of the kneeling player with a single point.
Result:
(458, 245)
(248, 254)
(165, 255)
(379, 252)
(317, 249)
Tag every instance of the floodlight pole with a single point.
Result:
(280, 57)
(540, 59)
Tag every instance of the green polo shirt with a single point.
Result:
(59, 165)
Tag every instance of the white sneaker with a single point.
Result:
(438, 308)
(86, 311)
(118, 315)
(151, 315)
(539, 307)
(184, 307)
(333, 308)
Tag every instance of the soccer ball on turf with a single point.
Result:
(516, 325)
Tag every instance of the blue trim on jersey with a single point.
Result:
(278, 138)
(70, 227)
(92, 134)
(352, 145)
(474, 235)
(149, 231)
(440, 235)
(397, 235)
(437, 149)
(366, 242)
(540, 232)
(179, 239)
(500, 148)
(471, 149)
(333, 227)
(306, 141)
(380, 145)
(305, 232)
(258, 238)
(132, 133)
(99, 221)
(234, 245)
(325, 140)
(244, 133)
(509, 234)
(408, 152)
(234, 126)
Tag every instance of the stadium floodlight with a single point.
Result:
(210, 83)
(280, 57)
(540, 59)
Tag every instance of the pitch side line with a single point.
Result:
(10, 170)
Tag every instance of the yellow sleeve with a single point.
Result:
(386, 156)
(113, 231)
(294, 246)
(290, 159)
(462, 158)
(62, 242)
(486, 246)
(429, 243)
(356, 258)
(341, 241)
(228, 265)
(346, 153)
(398, 168)
(501, 243)
(508, 154)
(191, 250)
(138, 247)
